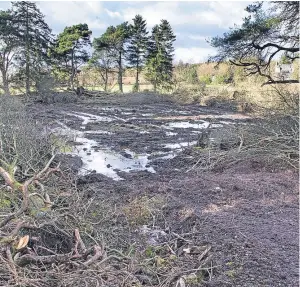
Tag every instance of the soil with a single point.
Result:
(248, 214)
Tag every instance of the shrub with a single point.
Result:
(206, 79)
(24, 144)
(189, 93)
(134, 88)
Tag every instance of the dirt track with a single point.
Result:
(248, 215)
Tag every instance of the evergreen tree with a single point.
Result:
(34, 36)
(114, 42)
(70, 49)
(102, 61)
(9, 46)
(159, 64)
(138, 46)
(265, 34)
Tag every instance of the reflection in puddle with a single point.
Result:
(106, 161)
(180, 145)
(171, 134)
(87, 118)
(98, 132)
(186, 125)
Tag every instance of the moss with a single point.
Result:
(61, 144)
(140, 211)
(5, 203)
(231, 273)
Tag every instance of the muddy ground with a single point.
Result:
(134, 147)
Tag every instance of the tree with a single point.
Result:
(263, 36)
(159, 64)
(114, 42)
(9, 47)
(137, 46)
(34, 36)
(103, 63)
(70, 49)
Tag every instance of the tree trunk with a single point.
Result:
(106, 80)
(72, 71)
(137, 77)
(6, 88)
(120, 76)
(5, 82)
(154, 86)
(27, 69)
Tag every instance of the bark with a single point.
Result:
(120, 76)
(106, 79)
(137, 77)
(5, 82)
(27, 69)
(73, 71)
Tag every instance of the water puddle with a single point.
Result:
(107, 161)
(147, 115)
(186, 125)
(99, 159)
(171, 134)
(88, 118)
(180, 145)
(98, 132)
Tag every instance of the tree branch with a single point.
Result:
(288, 49)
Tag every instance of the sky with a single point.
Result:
(193, 22)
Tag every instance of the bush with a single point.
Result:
(188, 94)
(222, 79)
(24, 144)
(206, 79)
(135, 88)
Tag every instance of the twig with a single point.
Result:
(97, 255)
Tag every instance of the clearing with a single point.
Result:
(135, 148)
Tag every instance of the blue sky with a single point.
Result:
(192, 22)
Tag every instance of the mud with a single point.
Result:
(133, 146)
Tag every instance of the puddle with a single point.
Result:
(180, 145)
(147, 115)
(98, 132)
(186, 125)
(99, 159)
(106, 161)
(216, 125)
(87, 118)
(171, 134)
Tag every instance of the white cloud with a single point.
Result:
(71, 13)
(154, 12)
(113, 14)
(197, 37)
(222, 14)
(193, 54)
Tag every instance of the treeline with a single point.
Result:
(226, 73)
(30, 52)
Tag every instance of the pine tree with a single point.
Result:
(70, 49)
(159, 64)
(138, 46)
(9, 46)
(114, 42)
(34, 36)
